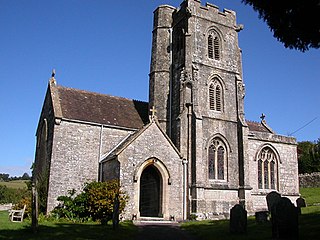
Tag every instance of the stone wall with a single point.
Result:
(76, 152)
(286, 151)
(309, 180)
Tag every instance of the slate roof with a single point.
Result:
(257, 127)
(102, 109)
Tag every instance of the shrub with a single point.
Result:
(96, 201)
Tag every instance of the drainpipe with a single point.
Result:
(170, 82)
(185, 188)
(99, 157)
(188, 177)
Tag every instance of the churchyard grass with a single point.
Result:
(312, 195)
(309, 223)
(54, 229)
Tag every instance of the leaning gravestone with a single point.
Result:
(285, 220)
(238, 219)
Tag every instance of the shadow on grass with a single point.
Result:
(220, 230)
(205, 230)
(70, 231)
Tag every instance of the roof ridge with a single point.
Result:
(252, 121)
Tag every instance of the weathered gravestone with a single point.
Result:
(238, 219)
(284, 220)
(300, 203)
(272, 198)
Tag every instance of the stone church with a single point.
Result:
(189, 150)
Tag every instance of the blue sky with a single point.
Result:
(104, 46)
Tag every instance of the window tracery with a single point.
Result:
(267, 169)
(217, 156)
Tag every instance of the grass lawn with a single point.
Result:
(312, 195)
(309, 227)
(63, 230)
(309, 223)
(16, 184)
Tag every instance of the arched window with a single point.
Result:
(215, 96)
(217, 157)
(267, 169)
(214, 46)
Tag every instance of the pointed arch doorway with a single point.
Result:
(150, 204)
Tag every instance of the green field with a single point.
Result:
(16, 184)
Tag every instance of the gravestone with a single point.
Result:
(261, 216)
(272, 198)
(238, 219)
(284, 220)
(300, 203)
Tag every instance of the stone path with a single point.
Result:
(162, 231)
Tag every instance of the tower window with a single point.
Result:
(215, 96)
(217, 159)
(267, 169)
(210, 46)
(214, 46)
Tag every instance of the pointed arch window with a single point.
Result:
(214, 46)
(216, 96)
(267, 169)
(217, 157)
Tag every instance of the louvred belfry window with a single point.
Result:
(210, 46)
(214, 46)
(217, 158)
(267, 169)
(216, 96)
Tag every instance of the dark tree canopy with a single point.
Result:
(309, 156)
(295, 23)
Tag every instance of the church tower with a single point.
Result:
(196, 86)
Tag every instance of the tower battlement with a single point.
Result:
(211, 11)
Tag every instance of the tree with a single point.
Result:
(25, 176)
(4, 177)
(309, 156)
(295, 23)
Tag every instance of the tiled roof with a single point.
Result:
(257, 127)
(102, 109)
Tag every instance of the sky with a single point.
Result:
(105, 47)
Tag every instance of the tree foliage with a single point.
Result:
(95, 202)
(309, 156)
(12, 195)
(295, 23)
